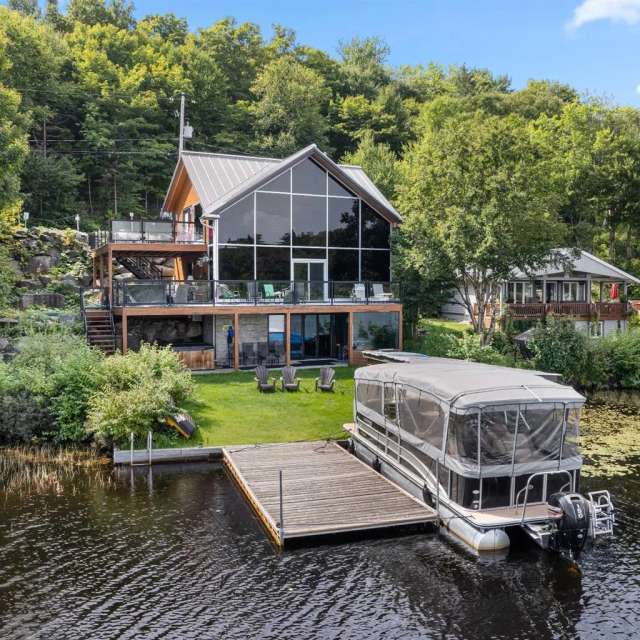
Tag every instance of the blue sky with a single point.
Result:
(590, 44)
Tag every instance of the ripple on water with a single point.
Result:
(179, 555)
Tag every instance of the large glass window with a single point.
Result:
(309, 221)
(375, 266)
(337, 188)
(343, 222)
(281, 183)
(343, 265)
(375, 330)
(236, 223)
(273, 263)
(236, 263)
(308, 177)
(375, 229)
(273, 218)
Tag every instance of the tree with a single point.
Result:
(288, 113)
(380, 163)
(363, 66)
(479, 200)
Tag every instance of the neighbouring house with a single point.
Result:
(253, 261)
(575, 284)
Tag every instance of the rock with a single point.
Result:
(4, 344)
(28, 284)
(44, 280)
(41, 263)
(51, 300)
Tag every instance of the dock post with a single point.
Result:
(149, 445)
(281, 509)
(131, 449)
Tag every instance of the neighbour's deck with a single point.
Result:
(326, 491)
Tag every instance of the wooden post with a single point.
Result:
(125, 332)
(601, 291)
(400, 331)
(110, 272)
(236, 342)
(93, 272)
(287, 338)
(101, 271)
(350, 338)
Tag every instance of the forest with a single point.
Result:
(484, 173)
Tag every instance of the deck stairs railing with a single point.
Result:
(142, 267)
(98, 320)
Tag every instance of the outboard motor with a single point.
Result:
(574, 526)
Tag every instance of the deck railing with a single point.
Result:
(251, 292)
(147, 231)
(603, 310)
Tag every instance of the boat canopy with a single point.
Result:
(474, 418)
(464, 385)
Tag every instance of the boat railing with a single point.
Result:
(529, 486)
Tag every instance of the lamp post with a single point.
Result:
(77, 219)
(25, 217)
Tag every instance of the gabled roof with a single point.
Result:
(567, 261)
(220, 180)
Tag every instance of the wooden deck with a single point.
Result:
(326, 491)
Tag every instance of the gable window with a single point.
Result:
(236, 223)
(375, 229)
(308, 177)
(309, 221)
(273, 218)
(343, 222)
(281, 184)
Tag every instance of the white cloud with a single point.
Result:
(638, 89)
(615, 10)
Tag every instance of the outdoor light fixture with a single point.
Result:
(25, 217)
(77, 219)
(131, 215)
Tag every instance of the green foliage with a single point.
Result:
(139, 390)
(469, 347)
(8, 279)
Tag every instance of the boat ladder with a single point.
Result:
(602, 513)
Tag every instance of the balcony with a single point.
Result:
(230, 293)
(147, 232)
(578, 310)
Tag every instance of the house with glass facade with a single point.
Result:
(256, 261)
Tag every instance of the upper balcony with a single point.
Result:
(575, 310)
(233, 293)
(141, 234)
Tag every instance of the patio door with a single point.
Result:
(310, 279)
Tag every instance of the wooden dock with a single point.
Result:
(326, 490)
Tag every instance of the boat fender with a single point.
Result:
(377, 465)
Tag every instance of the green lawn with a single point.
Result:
(228, 409)
(435, 336)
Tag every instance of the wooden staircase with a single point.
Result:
(142, 267)
(100, 329)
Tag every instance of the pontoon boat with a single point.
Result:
(490, 448)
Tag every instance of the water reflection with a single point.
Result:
(176, 553)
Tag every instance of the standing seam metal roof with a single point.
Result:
(221, 179)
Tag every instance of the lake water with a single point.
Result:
(176, 553)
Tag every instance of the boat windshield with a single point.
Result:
(514, 434)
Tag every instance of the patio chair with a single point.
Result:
(182, 294)
(379, 293)
(263, 381)
(288, 380)
(326, 381)
(269, 293)
(359, 291)
(226, 293)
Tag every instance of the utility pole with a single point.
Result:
(181, 138)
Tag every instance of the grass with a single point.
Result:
(228, 409)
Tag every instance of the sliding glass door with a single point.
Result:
(310, 279)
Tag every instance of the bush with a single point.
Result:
(621, 353)
(468, 347)
(25, 417)
(140, 390)
(559, 347)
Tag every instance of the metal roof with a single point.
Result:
(220, 180)
(565, 262)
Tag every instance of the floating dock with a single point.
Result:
(325, 490)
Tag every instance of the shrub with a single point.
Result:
(468, 347)
(25, 416)
(621, 352)
(77, 378)
(559, 347)
(140, 390)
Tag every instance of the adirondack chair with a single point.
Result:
(326, 380)
(288, 380)
(263, 381)
(359, 292)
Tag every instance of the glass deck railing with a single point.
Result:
(251, 292)
(136, 231)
